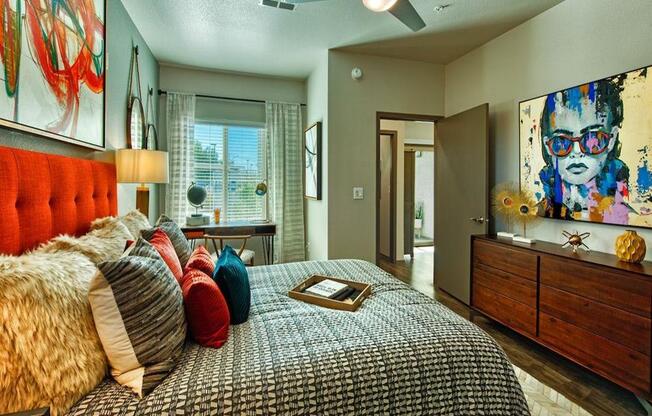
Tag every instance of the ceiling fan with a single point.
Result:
(401, 9)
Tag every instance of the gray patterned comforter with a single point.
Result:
(400, 353)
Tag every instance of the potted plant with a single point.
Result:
(418, 216)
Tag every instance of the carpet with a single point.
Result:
(545, 401)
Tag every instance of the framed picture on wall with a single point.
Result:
(312, 161)
(54, 70)
(585, 151)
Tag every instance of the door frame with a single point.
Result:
(393, 134)
(385, 115)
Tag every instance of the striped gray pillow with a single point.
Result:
(178, 238)
(138, 311)
(142, 248)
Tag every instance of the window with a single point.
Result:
(231, 180)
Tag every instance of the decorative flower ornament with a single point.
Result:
(505, 201)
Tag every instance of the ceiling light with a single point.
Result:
(379, 5)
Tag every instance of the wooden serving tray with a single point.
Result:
(345, 305)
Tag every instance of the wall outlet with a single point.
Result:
(358, 192)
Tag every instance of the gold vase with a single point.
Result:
(630, 247)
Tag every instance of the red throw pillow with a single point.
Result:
(163, 245)
(207, 313)
(201, 260)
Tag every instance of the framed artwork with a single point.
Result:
(585, 151)
(54, 62)
(312, 161)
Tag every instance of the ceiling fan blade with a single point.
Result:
(407, 14)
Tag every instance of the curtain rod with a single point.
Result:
(217, 97)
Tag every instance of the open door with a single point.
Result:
(461, 199)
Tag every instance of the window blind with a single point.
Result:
(230, 161)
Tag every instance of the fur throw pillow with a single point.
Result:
(135, 222)
(105, 242)
(50, 352)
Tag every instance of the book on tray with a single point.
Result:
(331, 289)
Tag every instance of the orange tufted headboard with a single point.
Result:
(43, 195)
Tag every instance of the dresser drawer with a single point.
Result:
(509, 312)
(614, 288)
(614, 361)
(622, 327)
(517, 262)
(506, 284)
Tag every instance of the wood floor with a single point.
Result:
(597, 395)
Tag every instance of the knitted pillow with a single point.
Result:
(179, 240)
(161, 242)
(138, 310)
(50, 353)
(232, 278)
(206, 310)
(201, 260)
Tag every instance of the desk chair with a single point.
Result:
(246, 255)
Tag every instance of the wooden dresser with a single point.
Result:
(588, 307)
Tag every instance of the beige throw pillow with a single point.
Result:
(50, 353)
(104, 242)
(135, 222)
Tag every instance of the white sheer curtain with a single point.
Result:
(180, 133)
(284, 139)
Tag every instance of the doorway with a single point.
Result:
(459, 200)
(402, 208)
(418, 201)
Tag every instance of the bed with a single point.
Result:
(400, 353)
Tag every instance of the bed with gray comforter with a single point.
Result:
(400, 353)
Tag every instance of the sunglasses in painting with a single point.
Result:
(591, 143)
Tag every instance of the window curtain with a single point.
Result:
(180, 128)
(284, 139)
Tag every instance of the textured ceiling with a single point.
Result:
(240, 35)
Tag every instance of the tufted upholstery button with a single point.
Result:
(44, 187)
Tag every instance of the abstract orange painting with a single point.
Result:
(53, 61)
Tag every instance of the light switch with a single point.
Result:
(358, 192)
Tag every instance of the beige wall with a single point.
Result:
(389, 85)
(226, 84)
(121, 35)
(574, 42)
(317, 211)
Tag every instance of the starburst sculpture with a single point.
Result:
(575, 240)
(505, 201)
(527, 210)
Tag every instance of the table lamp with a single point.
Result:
(142, 166)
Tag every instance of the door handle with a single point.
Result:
(479, 220)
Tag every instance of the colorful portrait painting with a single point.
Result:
(585, 151)
(53, 64)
